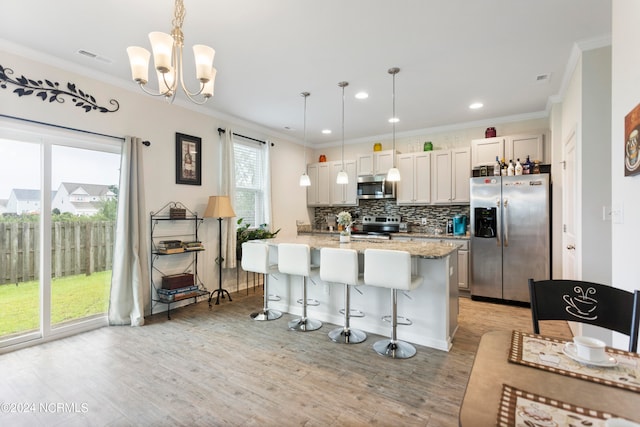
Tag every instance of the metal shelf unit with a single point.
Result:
(174, 222)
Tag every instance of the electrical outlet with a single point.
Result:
(423, 221)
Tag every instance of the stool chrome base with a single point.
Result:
(344, 335)
(394, 349)
(305, 324)
(266, 314)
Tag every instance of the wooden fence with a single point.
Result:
(77, 248)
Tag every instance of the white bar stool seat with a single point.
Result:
(341, 266)
(255, 258)
(295, 259)
(391, 269)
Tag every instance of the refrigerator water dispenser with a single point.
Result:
(485, 225)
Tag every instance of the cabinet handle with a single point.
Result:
(571, 247)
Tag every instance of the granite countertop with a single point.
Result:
(393, 235)
(422, 249)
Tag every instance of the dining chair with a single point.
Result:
(586, 302)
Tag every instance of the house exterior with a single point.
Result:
(23, 201)
(81, 199)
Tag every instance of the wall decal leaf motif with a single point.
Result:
(51, 89)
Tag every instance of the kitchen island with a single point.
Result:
(433, 307)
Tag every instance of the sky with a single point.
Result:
(20, 166)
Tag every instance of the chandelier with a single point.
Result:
(167, 57)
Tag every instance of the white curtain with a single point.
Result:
(228, 188)
(130, 275)
(266, 179)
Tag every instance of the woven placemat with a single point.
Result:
(519, 407)
(546, 353)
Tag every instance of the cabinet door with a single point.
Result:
(343, 195)
(324, 184)
(460, 174)
(463, 269)
(441, 178)
(422, 178)
(484, 151)
(405, 188)
(365, 164)
(312, 190)
(521, 146)
(383, 161)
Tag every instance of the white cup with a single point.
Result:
(591, 349)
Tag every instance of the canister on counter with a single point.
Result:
(449, 226)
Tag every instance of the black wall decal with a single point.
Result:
(52, 91)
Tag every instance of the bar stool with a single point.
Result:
(391, 269)
(295, 259)
(341, 266)
(255, 258)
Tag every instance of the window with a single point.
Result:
(250, 183)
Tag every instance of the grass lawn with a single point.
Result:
(72, 297)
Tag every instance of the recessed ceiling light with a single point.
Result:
(326, 131)
(476, 105)
(394, 120)
(362, 95)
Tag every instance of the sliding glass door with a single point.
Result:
(58, 197)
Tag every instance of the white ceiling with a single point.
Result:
(450, 52)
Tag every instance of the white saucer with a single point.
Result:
(569, 350)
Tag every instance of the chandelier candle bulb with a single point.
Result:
(162, 46)
(204, 61)
(139, 60)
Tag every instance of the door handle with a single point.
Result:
(571, 247)
(505, 237)
(498, 222)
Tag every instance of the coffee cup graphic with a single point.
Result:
(581, 305)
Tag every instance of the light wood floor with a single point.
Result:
(218, 367)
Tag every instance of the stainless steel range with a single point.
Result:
(379, 226)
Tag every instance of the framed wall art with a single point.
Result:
(188, 163)
(631, 141)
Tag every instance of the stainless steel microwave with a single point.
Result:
(375, 187)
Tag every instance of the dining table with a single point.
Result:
(522, 379)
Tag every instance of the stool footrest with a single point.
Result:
(400, 320)
(310, 301)
(353, 312)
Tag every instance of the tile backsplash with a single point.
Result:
(436, 216)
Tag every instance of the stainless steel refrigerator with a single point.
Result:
(510, 235)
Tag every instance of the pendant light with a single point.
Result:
(342, 177)
(394, 173)
(304, 178)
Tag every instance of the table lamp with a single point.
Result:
(219, 207)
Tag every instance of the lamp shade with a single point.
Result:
(219, 207)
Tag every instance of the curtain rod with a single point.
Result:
(146, 143)
(220, 130)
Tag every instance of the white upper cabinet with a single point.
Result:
(414, 187)
(318, 191)
(324, 191)
(341, 194)
(484, 151)
(521, 146)
(450, 177)
(375, 162)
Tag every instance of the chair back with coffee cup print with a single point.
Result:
(586, 302)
